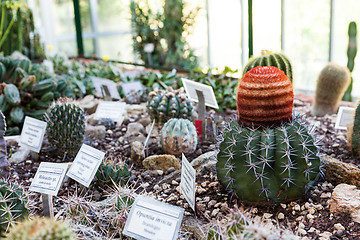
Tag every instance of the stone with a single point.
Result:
(145, 121)
(280, 216)
(194, 226)
(325, 195)
(137, 153)
(89, 104)
(91, 120)
(325, 235)
(134, 128)
(302, 232)
(346, 198)
(215, 212)
(135, 109)
(338, 226)
(205, 161)
(95, 132)
(161, 162)
(20, 155)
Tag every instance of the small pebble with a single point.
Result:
(280, 216)
(297, 207)
(338, 226)
(325, 195)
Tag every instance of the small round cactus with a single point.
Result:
(178, 136)
(111, 172)
(66, 126)
(163, 105)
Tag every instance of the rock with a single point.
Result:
(95, 132)
(90, 119)
(267, 215)
(145, 121)
(302, 232)
(205, 161)
(338, 226)
(215, 212)
(346, 198)
(135, 109)
(283, 205)
(325, 195)
(20, 155)
(161, 162)
(280, 216)
(137, 153)
(89, 104)
(133, 128)
(325, 235)
(194, 226)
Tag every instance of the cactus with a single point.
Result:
(268, 58)
(4, 163)
(41, 228)
(65, 126)
(331, 84)
(351, 54)
(353, 133)
(163, 105)
(13, 205)
(178, 136)
(267, 155)
(111, 172)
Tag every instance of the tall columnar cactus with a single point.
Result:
(268, 58)
(41, 228)
(13, 205)
(163, 105)
(178, 136)
(351, 54)
(4, 163)
(65, 126)
(267, 155)
(331, 86)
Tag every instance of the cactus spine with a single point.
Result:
(351, 54)
(331, 85)
(267, 157)
(4, 163)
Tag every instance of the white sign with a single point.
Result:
(100, 83)
(345, 116)
(187, 184)
(151, 219)
(130, 87)
(48, 178)
(85, 165)
(32, 134)
(191, 87)
(110, 110)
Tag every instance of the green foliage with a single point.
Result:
(351, 54)
(65, 127)
(112, 172)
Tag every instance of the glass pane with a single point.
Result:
(114, 15)
(64, 17)
(68, 47)
(117, 47)
(89, 49)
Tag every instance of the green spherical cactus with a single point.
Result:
(178, 136)
(65, 126)
(331, 85)
(275, 158)
(268, 58)
(41, 228)
(13, 205)
(4, 163)
(163, 105)
(110, 172)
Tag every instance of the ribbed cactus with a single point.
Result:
(268, 58)
(353, 132)
(331, 85)
(41, 228)
(111, 172)
(178, 136)
(4, 163)
(351, 54)
(13, 205)
(65, 126)
(265, 155)
(163, 105)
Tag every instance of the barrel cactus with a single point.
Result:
(4, 163)
(163, 105)
(267, 154)
(178, 136)
(353, 133)
(112, 172)
(268, 58)
(65, 126)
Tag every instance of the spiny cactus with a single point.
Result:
(351, 54)
(41, 228)
(163, 105)
(268, 58)
(331, 85)
(13, 205)
(353, 133)
(4, 163)
(267, 156)
(65, 126)
(113, 172)
(178, 136)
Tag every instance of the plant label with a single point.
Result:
(344, 117)
(130, 87)
(32, 134)
(102, 83)
(191, 87)
(110, 110)
(187, 184)
(85, 165)
(48, 178)
(151, 219)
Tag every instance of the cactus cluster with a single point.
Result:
(331, 85)
(4, 163)
(65, 126)
(178, 136)
(267, 155)
(268, 58)
(41, 228)
(13, 205)
(112, 171)
(351, 54)
(163, 105)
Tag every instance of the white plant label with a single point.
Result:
(85, 165)
(99, 84)
(345, 116)
(187, 184)
(32, 134)
(151, 219)
(110, 110)
(130, 87)
(192, 86)
(48, 178)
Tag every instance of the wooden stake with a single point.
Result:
(48, 209)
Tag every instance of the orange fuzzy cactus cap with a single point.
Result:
(265, 97)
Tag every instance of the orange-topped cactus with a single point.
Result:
(265, 97)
